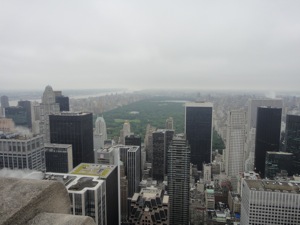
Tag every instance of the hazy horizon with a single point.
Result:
(136, 45)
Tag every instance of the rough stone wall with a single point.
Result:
(21, 200)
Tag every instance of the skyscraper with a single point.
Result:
(62, 100)
(276, 162)
(234, 163)
(179, 181)
(267, 135)
(198, 130)
(100, 133)
(135, 140)
(292, 140)
(18, 114)
(161, 142)
(133, 169)
(27, 106)
(4, 101)
(169, 123)
(47, 107)
(75, 129)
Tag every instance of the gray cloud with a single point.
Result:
(137, 44)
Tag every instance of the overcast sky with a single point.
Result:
(150, 44)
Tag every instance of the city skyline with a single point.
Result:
(196, 45)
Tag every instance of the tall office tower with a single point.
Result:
(75, 129)
(148, 142)
(161, 142)
(124, 132)
(136, 141)
(236, 135)
(58, 158)
(18, 114)
(27, 106)
(149, 207)
(251, 127)
(62, 100)
(169, 123)
(87, 194)
(198, 131)
(22, 151)
(292, 140)
(100, 133)
(179, 181)
(270, 202)
(276, 162)
(133, 169)
(7, 125)
(255, 103)
(267, 135)
(110, 174)
(47, 107)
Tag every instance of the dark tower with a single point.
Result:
(27, 106)
(198, 130)
(267, 137)
(292, 140)
(75, 129)
(135, 140)
(18, 114)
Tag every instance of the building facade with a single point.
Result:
(58, 158)
(179, 181)
(22, 152)
(267, 135)
(276, 162)
(75, 129)
(270, 202)
(235, 142)
(292, 140)
(133, 169)
(198, 130)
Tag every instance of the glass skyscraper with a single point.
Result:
(198, 130)
(292, 140)
(267, 135)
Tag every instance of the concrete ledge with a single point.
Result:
(60, 219)
(21, 199)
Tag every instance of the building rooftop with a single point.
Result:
(198, 104)
(272, 185)
(54, 145)
(280, 153)
(17, 136)
(99, 170)
(68, 113)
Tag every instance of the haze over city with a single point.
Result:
(238, 45)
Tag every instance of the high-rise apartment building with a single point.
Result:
(292, 140)
(4, 101)
(149, 207)
(135, 140)
(58, 158)
(75, 129)
(22, 151)
(270, 202)
(124, 132)
(236, 135)
(198, 130)
(178, 181)
(267, 135)
(47, 107)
